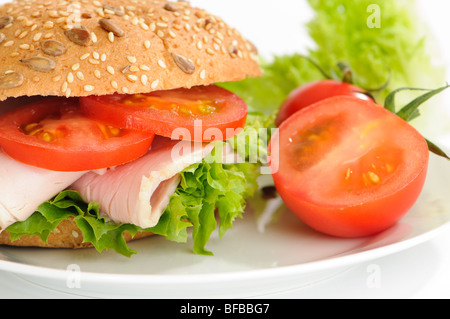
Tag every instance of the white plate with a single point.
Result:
(247, 263)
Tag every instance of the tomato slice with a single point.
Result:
(347, 168)
(315, 92)
(55, 135)
(203, 113)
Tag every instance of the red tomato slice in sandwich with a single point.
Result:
(203, 113)
(55, 135)
(347, 168)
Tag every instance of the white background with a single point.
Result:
(276, 26)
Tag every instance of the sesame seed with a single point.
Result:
(89, 88)
(144, 79)
(103, 57)
(56, 78)
(203, 75)
(162, 64)
(48, 36)
(199, 45)
(80, 76)
(210, 51)
(132, 77)
(125, 89)
(110, 69)
(177, 26)
(97, 74)
(61, 20)
(94, 37)
(64, 87)
(147, 44)
(96, 55)
(93, 61)
(144, 26)
(64, 13)
(23, 34)
(37, 37)
(84, 56)
(14, 54)
(53, 14)
(111, 37)
(160, 34)
(144, 67)
(131, 59)
(74, 234)
(24, 46)
(155, 84)
(114, 84)
(49, 25)
(9, 43)
(134, 68)
(76, 66)
(68, 92)
(172, 34)
(70, 77)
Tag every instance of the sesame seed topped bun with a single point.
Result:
(98, 47)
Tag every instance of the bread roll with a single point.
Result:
(77, 48)
(98, 47)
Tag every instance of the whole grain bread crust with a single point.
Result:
(98, 47)
(66, 235)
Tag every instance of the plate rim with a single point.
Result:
(275, 272)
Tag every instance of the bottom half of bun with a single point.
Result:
(67, 235)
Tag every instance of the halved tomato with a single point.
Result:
(347, 168)
(203, 113)
(55, 135)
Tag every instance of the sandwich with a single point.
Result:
(113, 124)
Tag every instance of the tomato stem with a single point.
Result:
(318, 67)
(347, 75)
(411, 110)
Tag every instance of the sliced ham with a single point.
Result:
(23, 188)
(139, 192)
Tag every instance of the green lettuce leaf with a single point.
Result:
(400, 50)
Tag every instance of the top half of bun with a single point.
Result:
(98, 47)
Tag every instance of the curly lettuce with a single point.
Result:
(399, 50)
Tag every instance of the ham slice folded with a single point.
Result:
(139, 192)
(23, 188)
